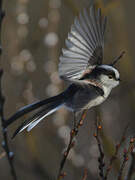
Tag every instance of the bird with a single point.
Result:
(81, 66)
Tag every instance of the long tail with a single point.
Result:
(47, 107)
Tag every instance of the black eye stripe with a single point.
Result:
(107, 72)
(111, 74)
(97, 72)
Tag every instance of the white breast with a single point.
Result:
(95, 102)
(99, 99)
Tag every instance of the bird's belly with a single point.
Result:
(86, 98)
(87, 104)
(95, 102)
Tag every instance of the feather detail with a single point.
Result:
(84, 45)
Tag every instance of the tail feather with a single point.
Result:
(26, 109)
(36, 118)
(45, 108)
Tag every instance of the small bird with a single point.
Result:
(90, 81)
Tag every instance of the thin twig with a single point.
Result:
(73, 134)
(131, 169)
(101, 156)
(85, 174)
(125, 157)
(5, 144)
(113, 158)
(117, 58)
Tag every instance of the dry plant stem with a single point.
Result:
(113, 158)
(117, 58)
(131, 170)
(73, 134)
(5, 144)
(85, 174)
(125, 157)
(101, 156)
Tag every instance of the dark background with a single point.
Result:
(33, 34)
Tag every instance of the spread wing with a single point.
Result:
(84, 45)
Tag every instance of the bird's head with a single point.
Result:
(108, 76)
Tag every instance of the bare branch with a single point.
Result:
(113, 158)
(125, 157)
(85, 174)
(73, 134)
(117, 58)
(131, 169)
(5, 144)
(101, 156)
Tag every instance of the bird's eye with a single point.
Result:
(110, 77)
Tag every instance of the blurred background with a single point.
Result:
(33, 34)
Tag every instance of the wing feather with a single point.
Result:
(84, 45)
(71, 54)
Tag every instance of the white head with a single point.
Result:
(109, 76)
